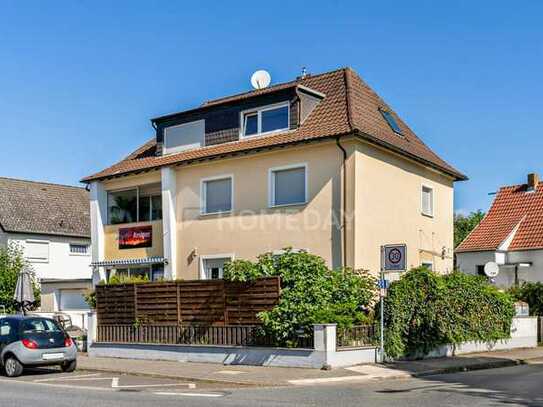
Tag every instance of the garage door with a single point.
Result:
(72, 300)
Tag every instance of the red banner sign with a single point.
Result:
(134, 237)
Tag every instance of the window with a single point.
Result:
(428, 264)
(288, 185)
(265, 120)
(123, 206)
(141, 204)
(184, 136)
(37, 251)
(217, 195)
(480, 270)
(391, 121)
(79, 248)
(213, 267)
(427, 201)
(72, 300)
(6, 329)
(153, 272)
(39, 325)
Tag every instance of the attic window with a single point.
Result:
(264, 120)
(391, 121)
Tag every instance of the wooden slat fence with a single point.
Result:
(356, 336)
(225, 335)
(209, 302)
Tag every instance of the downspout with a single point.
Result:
(343, 204)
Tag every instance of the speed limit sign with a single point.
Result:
(393, 257)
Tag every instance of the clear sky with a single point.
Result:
(79, 81)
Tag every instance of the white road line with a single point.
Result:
(330, 379)
(161, 393)
(114, 382)
(78, 377)
(135, 386)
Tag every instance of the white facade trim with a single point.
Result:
(205, 257)
(169, 221)
(203, 193)
(98, 216)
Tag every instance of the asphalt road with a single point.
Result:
(513, 386)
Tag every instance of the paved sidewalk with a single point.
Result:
(276, 376)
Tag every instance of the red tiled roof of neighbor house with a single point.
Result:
(349, 107)
(513, 205)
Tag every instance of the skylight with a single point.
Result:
(391, 121)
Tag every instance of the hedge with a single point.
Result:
(424, 310)
(531, 293)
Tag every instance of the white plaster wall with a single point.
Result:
(467, 263)
(61, 264)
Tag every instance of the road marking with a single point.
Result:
(232, 372)
(330, 379)
(79, 377)
(115, 385)
(161, 393)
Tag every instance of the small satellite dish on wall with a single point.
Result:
(492, 269)
(261, 79)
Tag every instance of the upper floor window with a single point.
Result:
(216, 195)
(140, 204)
(391, 121)
(264, 120)
(427, 201)
(37, 251)
(76, 248)
(288, 185)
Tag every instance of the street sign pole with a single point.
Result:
(382, 330)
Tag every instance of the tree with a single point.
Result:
(12, 262)
(463, 225)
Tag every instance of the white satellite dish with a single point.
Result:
(261, 79)
(492, 269)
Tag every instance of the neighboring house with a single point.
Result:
(511, 235)
(321, 163)
(51, 223)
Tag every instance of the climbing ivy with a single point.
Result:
(424, 310)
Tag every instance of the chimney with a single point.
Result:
(533, 181)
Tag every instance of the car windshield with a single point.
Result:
(39, 325)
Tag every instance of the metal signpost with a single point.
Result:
(393, 259)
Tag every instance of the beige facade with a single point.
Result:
(383, 206)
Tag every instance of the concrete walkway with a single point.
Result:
(276, 376)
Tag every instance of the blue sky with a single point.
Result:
(79, 81)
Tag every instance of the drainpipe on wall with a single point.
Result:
(344, 204)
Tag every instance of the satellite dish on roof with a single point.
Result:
(492, 269)
(261, 79)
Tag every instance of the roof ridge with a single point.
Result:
(297, 80)
(41, 182)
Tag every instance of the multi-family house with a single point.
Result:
(51, 224)
(320, 163)
(510, 235)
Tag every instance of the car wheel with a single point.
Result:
(69, 367)
(13, 367)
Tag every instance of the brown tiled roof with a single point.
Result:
(349, 107)
(513, 206)
(43, 208)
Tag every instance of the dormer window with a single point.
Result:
(265, 120)
(391, 121)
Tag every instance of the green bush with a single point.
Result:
(311, 293)
(424, 310)
(531, 293)
(124, 279)
(12, 262)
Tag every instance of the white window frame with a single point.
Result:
(87, 253)
(138, 196)
(271, 184)
(203, 193)
(258, 112)
(38, 259)
(432, 200)
(205, 257)
(178, 149)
